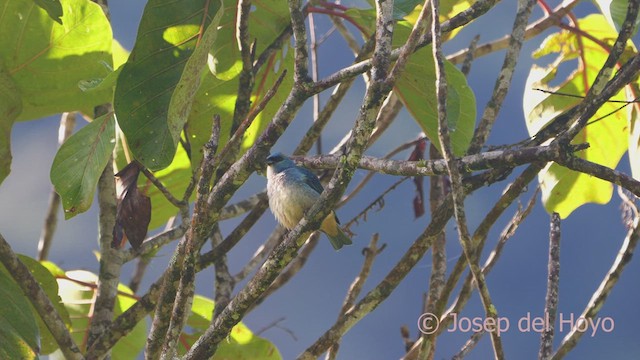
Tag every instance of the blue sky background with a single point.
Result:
(591, 236)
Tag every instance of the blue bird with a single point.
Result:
(292, 191)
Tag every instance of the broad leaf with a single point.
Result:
(564, 190)
(79, 163)
(48, 59)
(241, 344)
(19, 333)
(152, 79)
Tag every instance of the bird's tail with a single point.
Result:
(339, 239)
(331, 227)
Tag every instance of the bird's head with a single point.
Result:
(279, 162)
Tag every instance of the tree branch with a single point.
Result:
(600, 295)
(39, 300)
(553, 279)
(503, 81)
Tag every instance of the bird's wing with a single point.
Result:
(311, 179)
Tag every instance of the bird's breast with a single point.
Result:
(288, 199)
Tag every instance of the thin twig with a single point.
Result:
(144, 260)
(437, 194)
(469, 345)
(503, 81)
(370, 253)
(553, 280)
(67, 123)
(346, 34)
(602, 172)
(533, 30)
(246, 78)
(314, 76)
(469, 57)
(223, 281)
(243, 206)
(600, 295)
(292, 269)
(180, 204)
(261, 254)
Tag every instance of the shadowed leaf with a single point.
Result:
(53, 8)
(157, 84)
(79, 163)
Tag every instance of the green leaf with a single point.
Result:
(402, 8)
(53, 8)
(49, 285)
(168, 34)
(416, 89)
(241, 344)
(54, 269)
(10, 108)
(48, 59)
(120, 54)
(19, 334)
(80, 161)
(185, 92)
(564, 190)
(615, 11)
(77, 291)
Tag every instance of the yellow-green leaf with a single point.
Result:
(564, 190)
